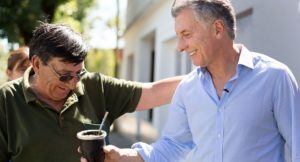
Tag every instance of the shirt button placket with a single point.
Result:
(61, 120)
(220, 128)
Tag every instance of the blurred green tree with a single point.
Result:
(101, 60)
(3, 65)
(19, 17)
(116, 24)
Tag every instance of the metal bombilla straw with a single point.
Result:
(103, 120)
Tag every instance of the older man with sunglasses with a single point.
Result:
(41, 113)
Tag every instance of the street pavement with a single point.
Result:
(124, 132)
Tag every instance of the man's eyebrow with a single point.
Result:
(184, 31)
(181, 32)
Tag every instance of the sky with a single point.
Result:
(100, 36)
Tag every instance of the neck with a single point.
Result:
(225, 65)
(223, 68)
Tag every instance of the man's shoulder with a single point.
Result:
(265, 62)
(92, 79)
(99, 78)
(270, 67)
(262, 61)
(192, 75)
(190, 78)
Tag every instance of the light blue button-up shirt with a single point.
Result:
(250, 122)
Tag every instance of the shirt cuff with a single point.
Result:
(144, 150)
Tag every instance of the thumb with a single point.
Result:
(83, 159)
(110, 148)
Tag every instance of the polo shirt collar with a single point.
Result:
(29, 94)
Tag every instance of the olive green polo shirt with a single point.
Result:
(32, 132)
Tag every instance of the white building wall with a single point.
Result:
(135, 9)
(266, 26)
(153, 31)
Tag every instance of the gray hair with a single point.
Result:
(209, 11)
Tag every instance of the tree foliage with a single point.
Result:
(3, 65)
(19, 17)
(73, 13)
(101, 60)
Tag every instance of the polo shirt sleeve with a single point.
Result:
(3, 131)
(121, 96)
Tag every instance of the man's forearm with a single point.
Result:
(158, 93)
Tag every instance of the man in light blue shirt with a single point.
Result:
(237, 106)
(249, 122)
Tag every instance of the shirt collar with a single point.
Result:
(246, 58)
(29, 94)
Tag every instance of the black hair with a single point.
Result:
(57, 40)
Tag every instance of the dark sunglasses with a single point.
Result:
(67, 77)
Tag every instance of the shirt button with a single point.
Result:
(219, 135)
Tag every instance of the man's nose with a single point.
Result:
(72, 83)
(181, 45)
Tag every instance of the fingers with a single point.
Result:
(110, 148)
(83, 159)
(112, 153)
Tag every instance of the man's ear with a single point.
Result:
(219, 28)
(36, 63)
(9, 74)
